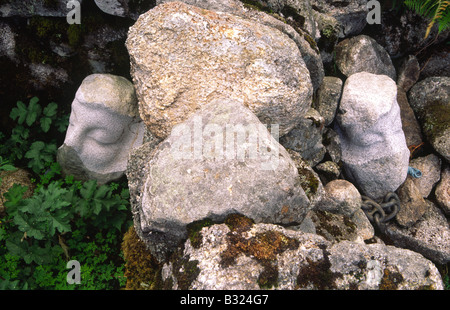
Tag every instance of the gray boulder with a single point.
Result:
(363, 54)
(430, 166)
(374, 150)
(438, 64)
(328, 97)
(328, 171)
(410, 124)
(306, 138)
(430, 100)
(203, 171)
(113, 7)
(7, 41)
(232, 57)
(412, 204)
(430, 236)
(426, 92)
(409, 73)
(351, 15)
(266, 256)
(45, 76)
(332, 143)
(308, 179)
(338, 216)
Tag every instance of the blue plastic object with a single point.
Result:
(415, 173)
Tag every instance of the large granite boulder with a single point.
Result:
(219, 161)
(374, 150)
(184, 56)
(286, 16)
(240, 255)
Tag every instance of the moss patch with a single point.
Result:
(264, 247)
(194, 233)
(255, 5)
(239, 223)
(141, 269)
(307, 179)
(318, 274)
(390, 280)
(47, 27)
(311, 42)
(436, 119)
(185, 271)
(334, 227)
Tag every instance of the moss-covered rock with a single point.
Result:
(141, 269)
(243, 255)
(430, 100)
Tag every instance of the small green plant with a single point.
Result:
(39, 155)
(438, 11)
(60, 222)
(33, 121)
(33, 112)
(5, 165)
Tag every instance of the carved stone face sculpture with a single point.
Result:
(104, 126)
(373, 145)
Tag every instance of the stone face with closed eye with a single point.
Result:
(104, 126)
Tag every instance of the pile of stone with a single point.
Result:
(248, 141)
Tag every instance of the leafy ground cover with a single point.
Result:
(63, 219)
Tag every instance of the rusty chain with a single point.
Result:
(381, 213)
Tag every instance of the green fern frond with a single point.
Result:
(444, 21)
(435, 10)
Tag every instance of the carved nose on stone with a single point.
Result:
(74, 136)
